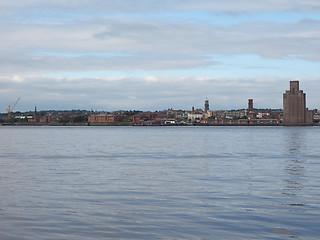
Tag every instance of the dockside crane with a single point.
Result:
(10, 109)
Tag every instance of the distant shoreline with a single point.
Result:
(156, 125)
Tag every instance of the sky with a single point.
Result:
(157, 54)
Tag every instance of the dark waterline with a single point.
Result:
(159, 183)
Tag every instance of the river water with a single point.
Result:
(159, 183)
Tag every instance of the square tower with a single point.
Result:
(250, 105)
(294, 106)
(206, 105)
(294, 86)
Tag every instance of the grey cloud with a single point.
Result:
(173, 43)
(251, 5)
(154, 45)
(48, 64)
(146, 6)
(32, 44)
(139, 93)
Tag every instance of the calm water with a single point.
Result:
(159, 183)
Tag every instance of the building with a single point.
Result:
(102, 118)
(206, 105)
(46, 119)
(250, 105)
(294, 106)
(35, 117)
(251, 113)
(144, 116)
(195, 117)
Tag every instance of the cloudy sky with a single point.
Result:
(157, 54)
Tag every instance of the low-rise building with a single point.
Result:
(195, 117)
(46, 119)
(102, 118)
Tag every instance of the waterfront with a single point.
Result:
(159, 182)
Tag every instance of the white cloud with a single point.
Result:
(144, 6)
(17, 78)
(252, 5)
(153, 45)
(136, 93)
(151, 79)
(153, 38)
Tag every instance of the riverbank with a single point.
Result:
(155, 125)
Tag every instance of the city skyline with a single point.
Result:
(151, 55)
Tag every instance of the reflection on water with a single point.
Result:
(295, 141)
(294, 163)
(182, 183)
(293, 178)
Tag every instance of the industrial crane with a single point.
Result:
(9, 109)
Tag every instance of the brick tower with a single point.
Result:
(294, 106)
(250, 105)
(206, 105)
